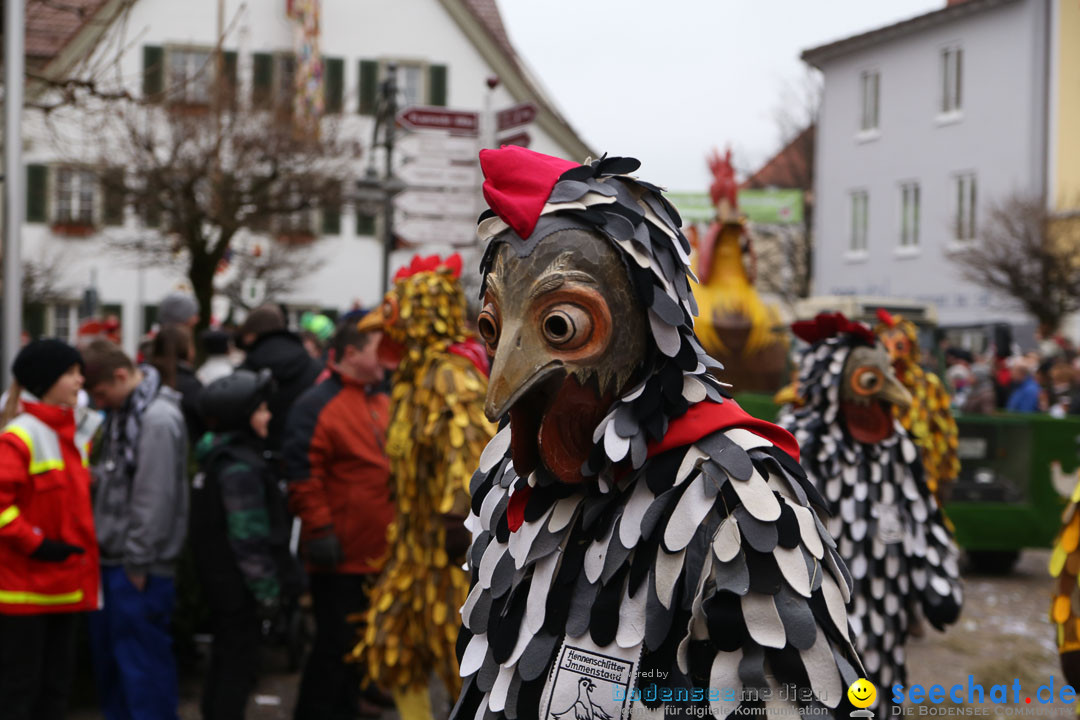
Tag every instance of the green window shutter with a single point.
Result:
(437, 85)
(37, 199)
(229, 60)
(365, 223)
(149, 317)
(112, 181)
(153, 70)
(335, 84)
(331, 211)
(369, 86)
(34, 319)
(151, 213)
(262, 79)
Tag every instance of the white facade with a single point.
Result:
(900, 186)
(417, 32)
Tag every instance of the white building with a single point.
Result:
(923, 125)
(444, 49)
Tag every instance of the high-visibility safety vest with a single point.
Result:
(45, 493)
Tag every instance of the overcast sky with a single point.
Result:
(665, 81)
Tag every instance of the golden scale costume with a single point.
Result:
(436, 435)
(1065, 605)
(929, 420)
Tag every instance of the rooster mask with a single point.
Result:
(587, 313)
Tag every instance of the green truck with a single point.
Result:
(1016, 474)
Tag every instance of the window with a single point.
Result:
(190, 76)
(859, 203)
(75, 191)
(365, 223)
(286, 81)
(965, 207)
(410, 84)
(871, 89)
(298, 225)
(909, 215)
(62, 322)
(273, 81)
(952, 61)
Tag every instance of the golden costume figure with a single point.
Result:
(929, 421)
(437, 432)
(1065, 605)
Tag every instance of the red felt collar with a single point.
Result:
(706, 418)
(699, 421)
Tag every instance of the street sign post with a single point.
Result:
(439, 202)
(515, 116)
(459, 122)
(425, 174)
(519, 138)
(421, 231)
(453, 148)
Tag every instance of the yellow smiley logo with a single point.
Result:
(862, 693)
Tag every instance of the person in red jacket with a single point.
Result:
(339, 487)
(48, 548)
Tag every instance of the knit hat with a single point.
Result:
(177, 308)
(41, 363)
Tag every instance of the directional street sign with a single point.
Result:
(519, 138)
(444, 203)
(437, 144)
(515, 116)
(420, 231)
(461, 122)
(439, 175)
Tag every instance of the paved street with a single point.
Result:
(1003, 635)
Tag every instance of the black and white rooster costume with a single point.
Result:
(642, 545)
(887, 523)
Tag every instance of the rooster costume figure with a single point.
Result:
(890, 531)
(1065, 602)
(437, 432)
(929, 421)
(643, 547)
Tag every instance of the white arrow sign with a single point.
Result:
(420, 231)
(454, 203)
(438, 145)
(430, 175)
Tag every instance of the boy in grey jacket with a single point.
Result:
(140, 512)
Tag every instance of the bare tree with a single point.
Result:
(200, 162)
(280, 266)
(785, 253)
(202, 177)
(41, 279)
(1023, 254)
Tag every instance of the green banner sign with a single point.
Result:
(766, 207)
(694, 207)
(772, 207)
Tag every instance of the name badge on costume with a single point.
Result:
(590, 681)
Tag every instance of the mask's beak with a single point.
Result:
(518, 367)
(894, 393)
(373, 321)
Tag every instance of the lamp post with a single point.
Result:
(371, 190)
(14, 189)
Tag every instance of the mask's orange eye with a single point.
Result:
(867, 380)
(487, 324)
(390, 310)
